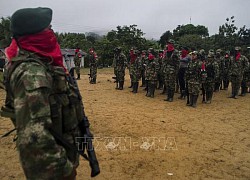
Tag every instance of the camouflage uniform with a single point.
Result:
(220, 62)
(152, 68)
(212, 71)
(193, 77)
(39, 96)
(135, 69)
(93, 67)
(160, 74)
(119, 63)
(77, 61)
(225, 75)
(236, 71)
(170, 70)
(143, 61)
(246, 76)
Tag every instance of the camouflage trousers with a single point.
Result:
(235, 83)
(170, 80)
(209, 85)
(120, 75)
(93, 71)
(77, 68)
(194, 87)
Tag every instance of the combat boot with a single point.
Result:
(136, 87)
(164, 90)
(168, 95)
(195, 97)
(190, 100)
(78, 76)
(94, 80)
(209, 97)
(152, 89)
(148, 94)
(182, 96)
(131, 85)
(243, 91)
(121, 83)
(171, 96)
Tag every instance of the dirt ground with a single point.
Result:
(148, 138)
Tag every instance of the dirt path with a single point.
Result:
(145, 138)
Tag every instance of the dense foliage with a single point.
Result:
(127, 37)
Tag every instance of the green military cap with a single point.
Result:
(237, 48)
(218, 51)
(30, 20)
(171, 41)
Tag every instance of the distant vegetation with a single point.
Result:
(194, 37)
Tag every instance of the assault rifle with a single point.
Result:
(85, 140)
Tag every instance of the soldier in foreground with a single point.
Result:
(40, 98)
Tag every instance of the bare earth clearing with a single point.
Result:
(209, 142)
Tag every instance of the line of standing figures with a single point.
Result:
(190, 72)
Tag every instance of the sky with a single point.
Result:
(153, 17)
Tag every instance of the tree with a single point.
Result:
(5, 34)
(164, 38)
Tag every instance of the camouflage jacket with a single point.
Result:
(193, 71)
(120, 62)
(212, 69)
(171, 64)
(238, 67)
(77, 59)
(40, 99)
(152, 68)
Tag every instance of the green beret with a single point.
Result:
(30, 20)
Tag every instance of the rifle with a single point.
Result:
(86, 140)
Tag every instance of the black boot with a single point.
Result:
(136, 87)
(182, 96)
(209, 95)
(152, 93)
(243, 91)
(148, 94)
(94, 80)
(233, 93)
(131, 85)
(164, 90)
(78, 76)
(121, 83)
(190, 100)
(195, 97)
(171, 96)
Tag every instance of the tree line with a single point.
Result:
(126, 37)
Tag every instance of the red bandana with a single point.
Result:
(132, 57)
(150, 56)
(203, 66)
(43, 44)
(184, 53)
(238, 55)
(170, 47)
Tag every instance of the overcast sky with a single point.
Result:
(153, 17)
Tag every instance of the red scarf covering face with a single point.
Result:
(170, 47)
(150, 56)
(160, 55)
(184, 53)
(203, 66)
(132, 57)
(238, 55)
(43, 44)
